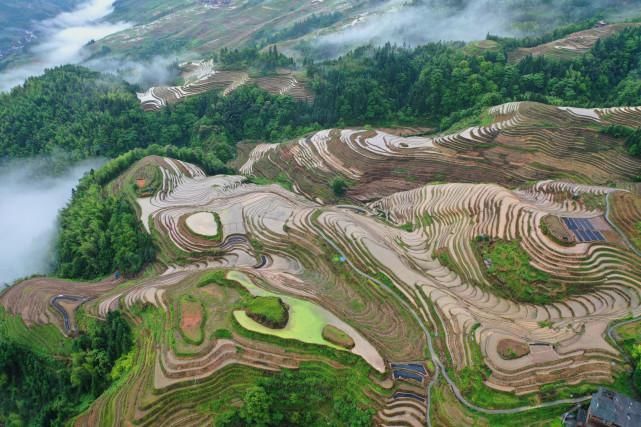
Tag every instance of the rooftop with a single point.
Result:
(615, 409)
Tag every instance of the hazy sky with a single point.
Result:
(28, 210)
(62, 39)
(155, 71)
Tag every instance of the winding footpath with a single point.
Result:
(435, 359)
(55, 303)
(611, 332)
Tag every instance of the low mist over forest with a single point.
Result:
(30, 200)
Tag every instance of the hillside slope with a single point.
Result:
(380, 272)
(521, 143)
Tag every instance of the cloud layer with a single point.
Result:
(417, 25)
(63, 38)
(29, 206)
(156, 71)
(461, 20)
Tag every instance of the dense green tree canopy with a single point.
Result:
(298, 398)
(46, 390)
(440, 82)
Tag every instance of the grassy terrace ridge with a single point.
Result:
(269, 311)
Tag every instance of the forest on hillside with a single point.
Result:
(83, 113)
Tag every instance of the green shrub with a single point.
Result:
(339, 186)
(269, 311)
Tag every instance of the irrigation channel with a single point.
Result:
(439, 368)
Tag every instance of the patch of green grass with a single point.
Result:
(508, 265)
(337, 336)
(257, 245)
(269, 311)
(281, 179)
(547, 417)
(424, 221)
(427, 219)
(545, 324)
(219, 277)
(222, 334)
(636, 238)
(408, 226)
(445, 258)
(41, 339)
(384, 278)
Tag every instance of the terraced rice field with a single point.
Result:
(195, 26)
(395, 265)
(572, 45)
(201, 77)
(203, 223)
(512, 151)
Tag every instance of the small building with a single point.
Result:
(611, 409)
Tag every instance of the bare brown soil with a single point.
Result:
(191, 316)
(510, 349)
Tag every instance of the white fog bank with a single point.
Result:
(29, 206)
(62, 40)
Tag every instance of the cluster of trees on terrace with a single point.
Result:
(45, 389)
(632, 137)
(253, 58)
(100, 233)
(299, 398)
